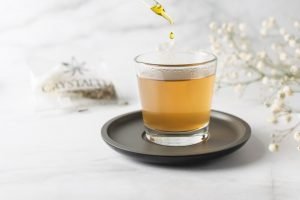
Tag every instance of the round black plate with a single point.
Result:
(125, 133)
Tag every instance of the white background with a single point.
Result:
(63, 156)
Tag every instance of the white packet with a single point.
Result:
(71, 85)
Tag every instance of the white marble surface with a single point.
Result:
(63, 156)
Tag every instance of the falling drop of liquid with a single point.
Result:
(171, 35)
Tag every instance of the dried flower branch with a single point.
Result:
(276, 66)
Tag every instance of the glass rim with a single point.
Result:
(213, 59)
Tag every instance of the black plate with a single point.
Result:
(125, 134)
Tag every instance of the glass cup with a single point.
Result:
(176, 90)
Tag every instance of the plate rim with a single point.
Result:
(121, 147)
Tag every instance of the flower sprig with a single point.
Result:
(275, 65)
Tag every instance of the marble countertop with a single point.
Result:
(62, 156)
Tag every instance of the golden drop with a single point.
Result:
(172, 35)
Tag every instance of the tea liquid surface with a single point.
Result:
(176, 105)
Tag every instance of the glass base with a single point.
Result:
(184, 138)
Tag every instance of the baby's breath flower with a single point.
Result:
(262, 54)
(275, 108)
(292, 42)
(287, 90)
(265, 80)
(273, 119)
(273, 147)
(282, 56)
(249, 74)
(277, 65)
(294, 69)
(271, 22)
(229, 28)
(220, 31)
(242, 27)
(259, 65)
(244, 46)
(278, 102)
(273, 72)
(297, 135)
(282, 31)
(212, 25)
(264, 24)
(287, 37)
(263, 32)
(297, 52)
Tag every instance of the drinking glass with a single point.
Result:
(176, 90)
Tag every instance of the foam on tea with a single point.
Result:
(168, 62)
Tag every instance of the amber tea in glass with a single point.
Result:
(176, 90)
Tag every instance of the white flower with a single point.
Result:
(297, 53)
(292, 42)
(282, 56)
(262, 54)
(273, 120)
(273, 72)
(264, 24)
(265, 80)
(213, 26)
(273, 147)
(248, 57)
(278, 103)
(242, 55)
(275, 108)
(242, 27)
(229, 28)
(249, 74)
(294, 69)
(224, 25)
(271, 21)
(297, 136)
(259, 65)
(287, 37)
(296, 24)
(220, 31)
(230, 45)
(244, 46)
(263, 32)
(282, 31)
(287, 90)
